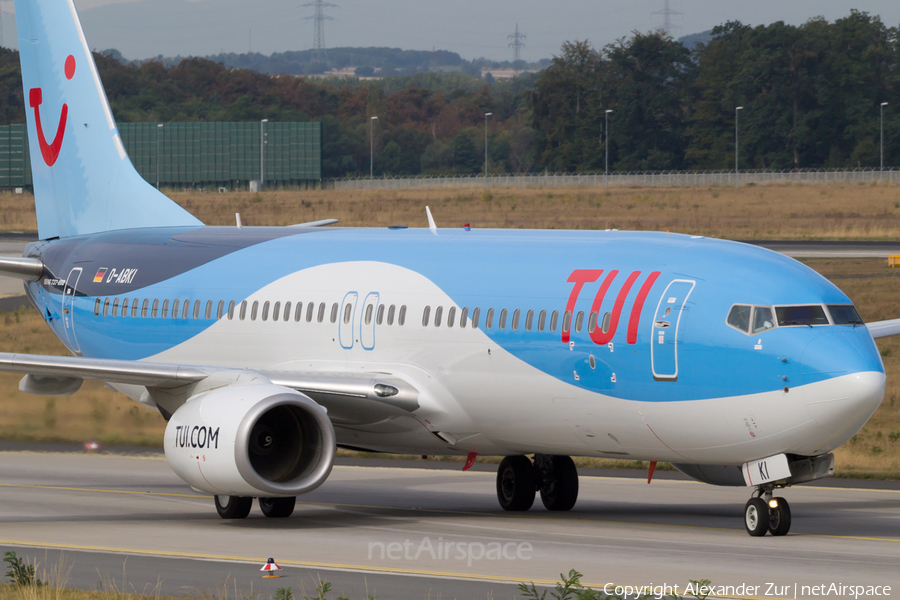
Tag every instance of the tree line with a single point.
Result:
(811, 97)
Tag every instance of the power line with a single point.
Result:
(517, 46)
(667, 14)
(318, 20)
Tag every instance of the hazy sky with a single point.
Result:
(473, 28)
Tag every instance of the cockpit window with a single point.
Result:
(789, 316)
(844, 314)
(762, 319)
(739, 317)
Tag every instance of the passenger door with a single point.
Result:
(346, 320)
(68, 308)
(667, 328)
(367, 321)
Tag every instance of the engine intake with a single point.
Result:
(251, 440)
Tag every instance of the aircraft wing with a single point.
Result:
(884, 328)
(348, 397)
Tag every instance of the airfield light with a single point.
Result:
(486, 115)
(606, 127)
(372, 148)
(881, 151)
(736, 171)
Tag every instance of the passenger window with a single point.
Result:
(154, 310)
(451, 316)
(208, 313)
(348, 312)
(579, 321)
(426, 315)
(97, 307)
(334, 312)
(401, 319)
(196, 309)
(298, 312)
(607, 319)
(135, 306)
(542, 320)
(220, 310)
(265, 311)
(567, 320)
(437, 316)
(231, 310)
(592, 322)
(310, 308)
(174, 308)
(276, 311)
(380, 318)
(515, 319)
(475, 314)
(762, 318)
(254, 310)
(554, 320)
(243, 310)
(106, 307)
(489, 319)
(115, 311)
(391, 315)
(739, 317)
(502, 323)
(165, 308)
(321, 316)
(287, 311)
(124, 307)
(369, 310)
(186, 308)
(463, 317)
(529, 320)
(144, 306)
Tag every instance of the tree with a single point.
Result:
(465, 157)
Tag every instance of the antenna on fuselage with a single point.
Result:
(431, 224)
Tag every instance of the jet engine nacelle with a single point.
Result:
(258, 440)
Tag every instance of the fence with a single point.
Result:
(634, 179)
(196, 154)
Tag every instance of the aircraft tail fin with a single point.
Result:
(83, 180)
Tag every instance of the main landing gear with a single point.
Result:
(238, 507)
(767, 514)
(518, 480)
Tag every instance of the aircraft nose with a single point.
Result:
(844, 382)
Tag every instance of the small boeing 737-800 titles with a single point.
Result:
(266, 348)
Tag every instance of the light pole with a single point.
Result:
(158, 127)
(372, 147)
(262, 156)
(736, 109)
(606, 127)
(486, 115)
(883, 104)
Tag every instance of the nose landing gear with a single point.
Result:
(767, 514)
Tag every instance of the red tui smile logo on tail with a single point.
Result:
(50, 151)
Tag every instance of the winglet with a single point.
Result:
(431, 224)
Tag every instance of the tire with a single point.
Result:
(561, 492)
(515, 483)
(780, 518)
(277, 508)
(756, 517)
(233, 507)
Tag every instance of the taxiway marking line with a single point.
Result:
(328, 566)
(451, 512)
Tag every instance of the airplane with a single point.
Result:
(267, 348)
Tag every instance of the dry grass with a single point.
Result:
(764, 212)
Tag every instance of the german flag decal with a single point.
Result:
(98, 278)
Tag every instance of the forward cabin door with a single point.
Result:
(667, 330)
(68, 308)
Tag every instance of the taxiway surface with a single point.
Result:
(114, 514)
